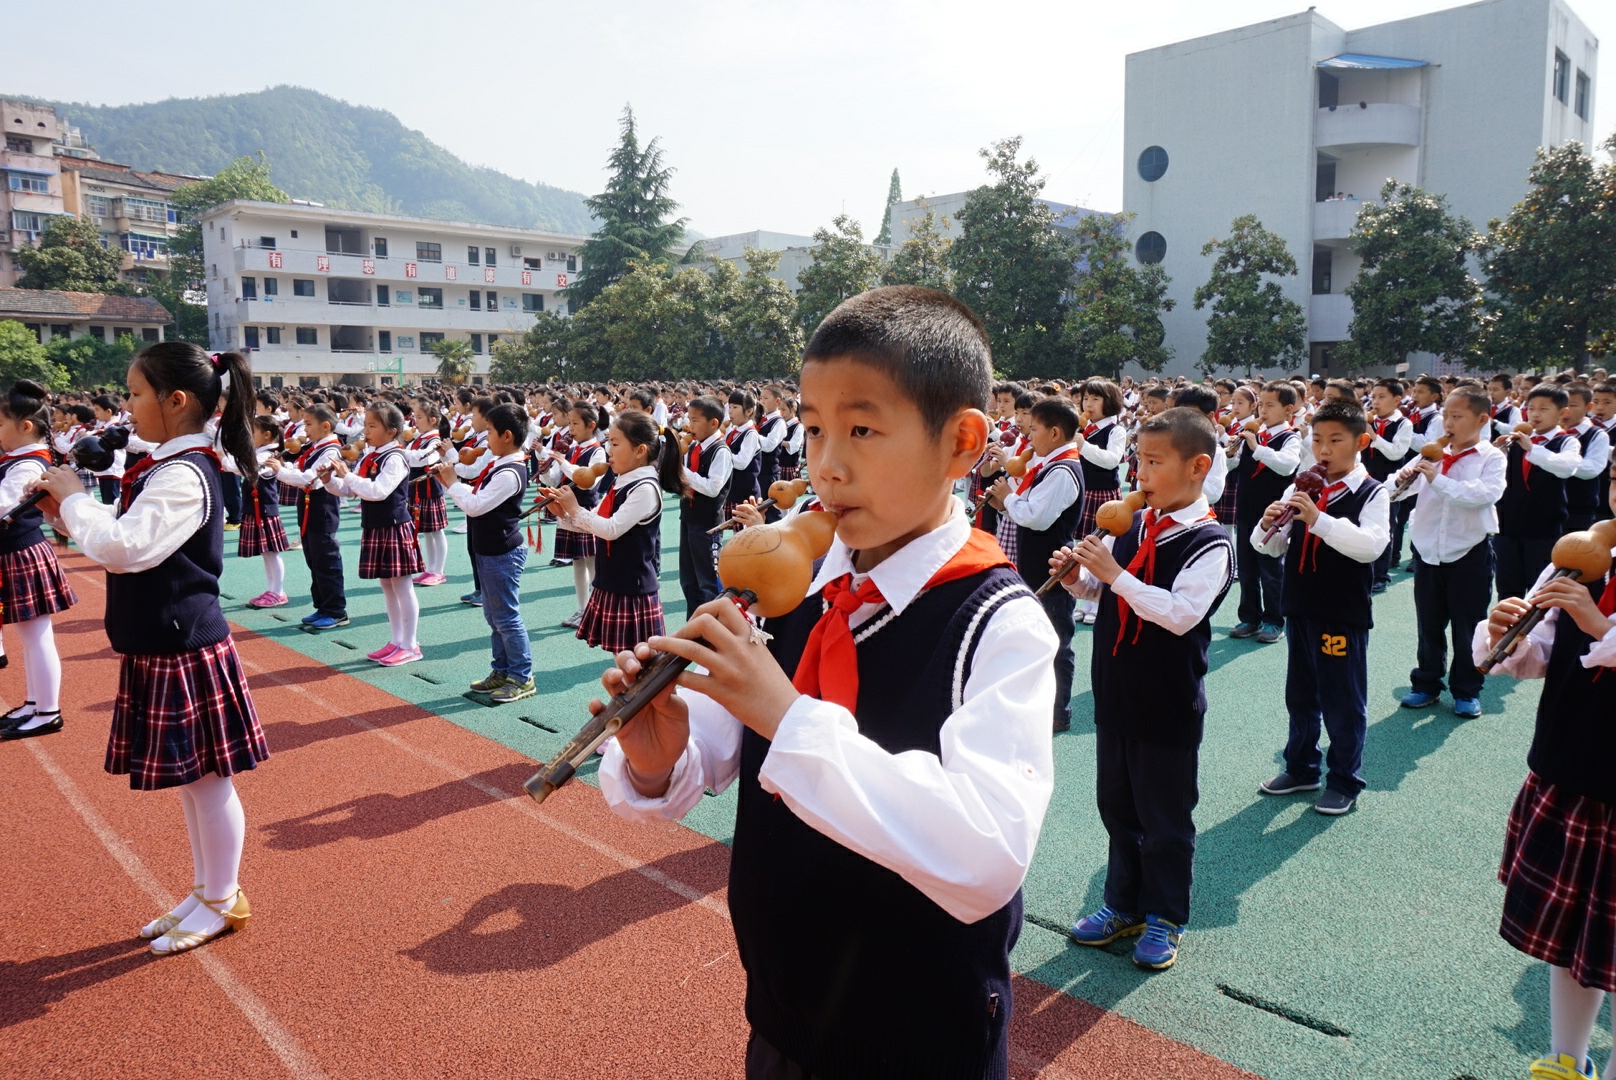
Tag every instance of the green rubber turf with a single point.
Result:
(1361, 947)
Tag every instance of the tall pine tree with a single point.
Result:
(634, 213)
(894, 194)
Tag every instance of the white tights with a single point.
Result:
(42, 669)
(403, 610)
(217, 828)
(274, 573)
(583, 572)
(1573, 1010)
(434, 550)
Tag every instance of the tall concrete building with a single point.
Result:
(30, 180)
(1300, 123)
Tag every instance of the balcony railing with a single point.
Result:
(1368, 124)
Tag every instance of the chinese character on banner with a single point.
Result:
(451, 272)
(367, 266)
(527, 277)
(322, 262)
(409, 269)
(561, 281)
(274, 260)
(488, 275)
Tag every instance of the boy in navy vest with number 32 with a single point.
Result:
(891, 741)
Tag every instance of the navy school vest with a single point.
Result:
(318, 510)
(1584, 494)
(1096, 478)
(585, 455)
(769, 461)
(495, 532)
(1574, 742)
(704, 510)
(630, 565)
(1378, 464)
(1534, 504)
(743, 483)
(1320, 582)
(395, 508)
(1035, 546)
(24, 530)
(1257, 484)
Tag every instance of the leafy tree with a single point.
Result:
(841, 266)
(894, 194)
(190, 319)
(70, 257)
(1253, 325)
(456, 361)
(1114, 316)
(922, 259)
(634, 215)
(763, 330)
(23, 357)
(90, 363)
(243, 178)
(1413, 293)
(1551, 264)
(1010, 266)
(539, 355)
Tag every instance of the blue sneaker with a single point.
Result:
(1467, 708)
(1105, 926)
(1158, 949)
(1416, 699)
(325, 622)
(310, 618)
(475, 599)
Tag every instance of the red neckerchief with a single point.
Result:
(308, 453)
(1143, 567)
(695, 457)
(1262, 440)
(372, 462)
(1526, 466)
(828, 669)
(1310, 540)
(126, 486)
(1607, 599)
(1381, 424)
(578, 449)
(478, 483)
(1449, 460)
(1089, 430)
(1032, 473)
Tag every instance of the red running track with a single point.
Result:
(414, 913)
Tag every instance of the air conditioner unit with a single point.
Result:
(552, 255)
(516, 249)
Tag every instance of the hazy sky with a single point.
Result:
(776, 115)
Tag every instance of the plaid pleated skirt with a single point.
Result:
(791, 471)
(32, 584)
(261, 531)
(1092, 501)
(390, 552)
(1226, 505)
(427, 508)
(574, 545)
(616, 621)
(181, 716)
(1559, 876)
(286, 493)
(1006, 534)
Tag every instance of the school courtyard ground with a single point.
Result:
(416, 915)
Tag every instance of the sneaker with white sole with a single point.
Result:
(573, 621)
(1334, 804)
(1286, 784)
(382, 653)
(399, 657)
(1562, 1067)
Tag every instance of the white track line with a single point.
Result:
(292, 1055)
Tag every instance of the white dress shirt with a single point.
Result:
(1456, 512)
(500, 486)
(14, 487)
(172, 506)
(748, 449)
(717, 473)
(325, 451)
(1046, 500)
(794, 439)
(1362, 542)
(1596, 459)
(1284, 460)
(768, 443)
(1562, 463)
(659, 412)
(641, 505)
(1195, 588)
(1504, 419)
(1433, 430)
(394, 471)
(1530, 660)
(1107, 446)
(1395, 448)
(1217, 478)
(959, 825)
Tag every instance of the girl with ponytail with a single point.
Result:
(183, 717)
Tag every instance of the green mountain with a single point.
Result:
(343, 155)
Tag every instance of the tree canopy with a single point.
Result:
(922, 258)
(1253, 324)
(842, 266)
(71, 257)
(894, 195)
(243, 178)
(1114, 316)
(23, 357)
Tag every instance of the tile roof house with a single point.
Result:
(50, 313)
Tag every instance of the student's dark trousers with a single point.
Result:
(230, 492)
(109, 489)
(1450, 594)
(1147, 794)
(698, 565)
(1259, 578)
(1061, 607)
(1517, 561)
(1327, 687)
(1392, 555)
(1578, 520)
(324, 556)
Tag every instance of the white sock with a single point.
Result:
(403, 611)
(1573, 1009)
(274, 573)
(390, 602)
(583, 571)
(435, 551)
(42, 669)
(219, 829)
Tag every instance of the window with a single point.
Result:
(1583, 88)
(429, 298)
(384, 296)
(98, 332)
(61, 330)
(428, 252)
(477, 344)
(276, 382)
(143, 246)
(249, 288)
(1152, 164)
(124, 331)
(98, 206)
(489, 261)
(476, 299)
(29, 223)
(472, 254)
(1323, 264)
(493, 339)
(572, 264)
(272, 334)
(532, 301)
(272, 286)
(530, 264)
(268, 242)
(302, 286)
(249, 336)
(149, 333)
(1562, 77)
(19, 145)
(384, 340)
(493, 300)
(145, 210)
(380, 244)
(1151, 248)
(428, 340)
(308, 335)
(34, 185)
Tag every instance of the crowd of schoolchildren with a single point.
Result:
(891, 735)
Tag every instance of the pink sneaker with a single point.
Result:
(432, 579)
(268, 600)
(400, 656)
(420, 579)
(381, 654)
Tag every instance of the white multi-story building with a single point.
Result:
(320, 296)
(1280, 118)
(30, 179)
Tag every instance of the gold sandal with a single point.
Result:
(158, 927)
(235, 918)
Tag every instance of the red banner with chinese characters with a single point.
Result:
(409, 269)
(274, 260)
(367, 266)
(322, 263)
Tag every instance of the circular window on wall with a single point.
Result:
(1153, 164)
(1150, 248)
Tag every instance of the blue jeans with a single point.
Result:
(1327, 686)
(500, 577)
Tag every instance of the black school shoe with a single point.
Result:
(50, 727)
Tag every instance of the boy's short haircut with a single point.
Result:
(1157, 392)
(1475, 396)
(322, 413)
(1107, 391)
(710, 407)
(1552, 391)
(930, 345)
(1349, 414)
(1501, 378)
(1014, 389)
(1582, 391)
(1342, 386)
(483, 405)
(1228, 385)
(508, 419)
(1026, 400)
(1057, 413)
(1195, 397)
(1605, 388)
(1434, 385)
(643, 398)
(1393, 386)
(1190, 432)
(1284, 392)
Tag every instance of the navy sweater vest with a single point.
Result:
(587, 497)
(495, 532)
(629, 565)
(318, 510)
(1584, 494)
(24, 530)
(395, 508)
(769, 460)
(743, 483)
(1379, 465)
(1574, 742)
(174, 606)
(1035, 546)
(1422, 424)
(1096, 478)
(704, 510)
(1534, 504)
(1320, 582)
(1257, 484)
(852, 972)
(1152, 688)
